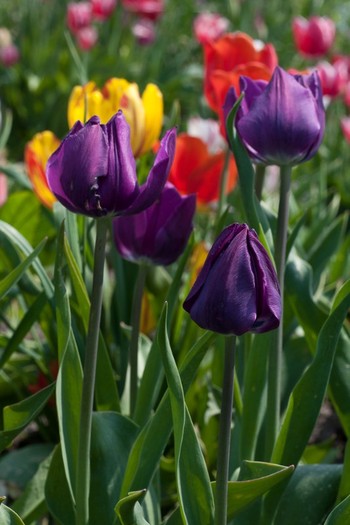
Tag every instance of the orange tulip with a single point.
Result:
(36, 155)
(196, 170)
(144, 114)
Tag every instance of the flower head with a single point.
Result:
(144, 114)
(208, 27)
(93, 172)
(158, 234)
(237, 289)
(313, 37)
(36, 155)
(281, 122)
(229, 57)
(151, 9)
(196, 170)
(79, 15)
(103, 9)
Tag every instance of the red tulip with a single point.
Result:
(196, 170)
(345, 126)
(102, 9)
(313, 37)
(227, 59)
(152, 9)
(333, 78)
(79, 15)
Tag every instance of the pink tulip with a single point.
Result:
(208, 27)
(313, 37)
(79, 15)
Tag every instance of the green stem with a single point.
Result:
(259, 179)
(134, 343)
(87, 399)
(275, 356)
(223, 186)
(225, 433)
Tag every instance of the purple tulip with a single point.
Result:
(281, 122)
(237, 289)
(93, 172)
(160, 233)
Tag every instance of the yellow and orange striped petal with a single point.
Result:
(36, 155)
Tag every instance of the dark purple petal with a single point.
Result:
(226, 302)
(268, 292)
(159, 233)
(73, 169)
(152, 188)
(282, 123)
(120, 188)
(237, 290)
(251, 89)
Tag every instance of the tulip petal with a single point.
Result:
(276, 130)
(152, 100)
(120, 188)
(74, 168)
(225, 301)
(152, 188)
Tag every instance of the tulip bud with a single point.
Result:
(158, 234)
(314, 37)
(281, 122)
(93, 172)
(237, 289)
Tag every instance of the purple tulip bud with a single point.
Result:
(237, 289)
(159, 233)
(93, 172)
(281, 122)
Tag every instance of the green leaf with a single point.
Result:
(13, 277)
(341, 514)
(70, 375)
(20, 242)
(18, 416)
(26, 323)
(148, 447)
(129, 510)
(193, 484)
(8, 516)
(111, 439)
(31, 504)
(310, 494)
(306, 399)
(255, 479)
(107, 397)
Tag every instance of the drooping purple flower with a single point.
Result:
(93, 172)
(160, 233)
(237, 289)
(280, 122)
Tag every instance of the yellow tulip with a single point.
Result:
(36, 155)
(143, 114)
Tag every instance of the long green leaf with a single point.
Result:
(306, 399)
(19, 415)
(129, 510)
(152, 439)
(341, 514)
(18, 240)
(107, 397)
(9, 516)
(13, 277)
(195, 495)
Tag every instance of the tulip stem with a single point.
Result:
(223, 185)
(225, 432)
(275, 356)
(135, 324)
(259, 179)
(90, 361)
